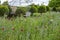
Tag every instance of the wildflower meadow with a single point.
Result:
(43, 27)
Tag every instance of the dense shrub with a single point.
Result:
(33, 9)
(47, 8)
(3, 10)
(54, 9)
(21, 11)
(9, 7)
(42, 9)
(58, 9)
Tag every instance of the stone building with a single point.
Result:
(13, 9)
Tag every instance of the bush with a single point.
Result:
(54, 9)
(42, 9)
(47, 8)
(10, 10)
(21, 11)
(34, 5)
(33, 9)
(3, 10)
(58, 9)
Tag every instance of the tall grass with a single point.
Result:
(45, 27)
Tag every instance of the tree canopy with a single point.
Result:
(54, 3)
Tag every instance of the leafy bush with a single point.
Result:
(58, 9)
(5, 3)
(42, 9)
(47, 8)
(10, 10)
(36, 14)
(21, 11)
(54, 9)
(33, 9)
(3, 10)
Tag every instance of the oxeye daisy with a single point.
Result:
(51, 20)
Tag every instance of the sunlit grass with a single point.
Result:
(45, 27)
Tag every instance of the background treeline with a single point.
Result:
(5, 9)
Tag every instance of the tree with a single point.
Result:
(37, 6)
(0, 1)
(33, 9)
(42, 9)
(3, 10)
(10, 10)
(54, 9)
(5, 3)
(58, 9)
(54, 3)
(21, 11)
(47, 8)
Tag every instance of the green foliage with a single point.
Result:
(33, 9)
(5, 3)
(45, 27)
(58, 9)
(47, 8)
(3, 10)
(21, 11)
(37, 6)
(54, 9)
(54, 3)
(42, 9)
(51, 4)
(36, 14)
(10, 10)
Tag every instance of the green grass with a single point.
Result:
(45, 27)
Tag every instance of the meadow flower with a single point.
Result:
(51, 20)
(3, 29)
(22, 29)
(13, 28)
(37, 28)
